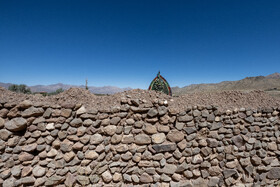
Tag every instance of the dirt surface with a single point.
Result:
(224, 100)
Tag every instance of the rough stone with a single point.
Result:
(142, 139)
(91, 155)
(149, 129)
(274, 173)
(152, 112)
(146, 178)
(229, 172)
(83, 180)
(185, 118)
(164, 147)
(32, 112)
(54, 180)
(107, 177)
(5, 134)
(76, 122)
(96, 139)
(16, 124)
(81, 110)
(158, 138)
(110, 130)
(169, 169)
(238, 141)
(38, 171)
(25, 157)
(175, 136)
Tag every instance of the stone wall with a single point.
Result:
(130, 145)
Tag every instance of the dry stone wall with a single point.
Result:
(131, 145)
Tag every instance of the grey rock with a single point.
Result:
(146, 178)
(2, 122)
(9, 182)
(274, 173)
(169, 169)
(25, 104)
(229, 172)
(212, 142)
(238, 141)
(16, 124)
(27, 180)
(179, 126)
(107, 177)
(115, 120)
(175, 136)
(110, 130)
(162, 110)
(135, 178)
(216, 126)
(76, 122)
(249, 119)
(158, 138)
(142, 139)
(16, 171)
(5, 134)
(54, 180)
(94, 179)
(185, 118)
(127, 178)
(165, 178)
(164, 147)
(96, 139)
(32, 112)
(39, 171)
(149, 129)
(197, 159)
(83, 180)
(196, 113)
(152, 112)
(190, 130)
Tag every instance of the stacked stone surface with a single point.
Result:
(131, 145)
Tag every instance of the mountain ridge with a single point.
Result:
(269, 82)
(54, 87)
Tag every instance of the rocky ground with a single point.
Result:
(224, 100)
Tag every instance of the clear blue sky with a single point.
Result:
(125, 43)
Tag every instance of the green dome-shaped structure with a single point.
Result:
(161, 85)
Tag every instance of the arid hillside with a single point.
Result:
(265, 83)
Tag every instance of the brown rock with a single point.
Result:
(32, 112)
(91, 155)
(26, 171)
(142, 139)
(175, 136)
(29, 148)
(25, 157)
(16, 124)
(107, 177)
(78, 146)
(69, 156)
(66, 112)
(110, 130)
(70, 180)
(39, 171)
(149, 129)
(146, 178)
(274, 173)
(158, 138)
(5, 134)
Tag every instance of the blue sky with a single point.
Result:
(125, 43)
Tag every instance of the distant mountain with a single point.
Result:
(269, 82)
(54, 87)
